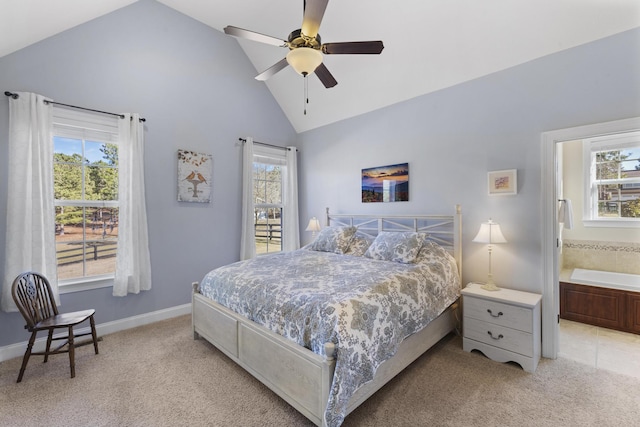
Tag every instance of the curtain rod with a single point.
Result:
(16, 96)
(243, 140)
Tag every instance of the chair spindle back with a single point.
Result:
(33, 295)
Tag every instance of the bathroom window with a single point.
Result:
(612, 166)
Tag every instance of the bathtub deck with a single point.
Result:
(605, 279)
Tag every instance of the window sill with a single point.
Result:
(85, 284)
(612, 223)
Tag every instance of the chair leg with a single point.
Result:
(72, 353)
(93, 334)
(49, 339)
(27, 354)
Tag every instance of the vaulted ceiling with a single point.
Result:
(429, 44)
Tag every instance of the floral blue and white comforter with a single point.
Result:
(366, 307)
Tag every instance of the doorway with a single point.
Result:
(550, 229)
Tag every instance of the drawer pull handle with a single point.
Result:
(494, 315)
(499, 336)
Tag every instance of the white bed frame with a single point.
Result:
(299, 376)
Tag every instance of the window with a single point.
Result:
(85, 173)
(613, 167)
(268, 172)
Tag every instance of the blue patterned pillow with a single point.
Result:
(431, 252)
(333, 239)
(359, 244)
(398, 247)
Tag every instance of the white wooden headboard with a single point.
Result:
(446, 230)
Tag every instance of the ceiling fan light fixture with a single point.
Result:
(304, 60)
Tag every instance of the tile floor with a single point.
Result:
(600, 347)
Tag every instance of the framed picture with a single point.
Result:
(503, 182)
(194, 176)
(386, 183)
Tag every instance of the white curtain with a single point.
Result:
(247, 242)
(133, 263)
(30, 244)
(291, 226)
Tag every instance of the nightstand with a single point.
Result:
(504, 324)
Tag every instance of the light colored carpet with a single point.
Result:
(157, 375)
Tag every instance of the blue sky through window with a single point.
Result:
(71, 146)
(632, 159)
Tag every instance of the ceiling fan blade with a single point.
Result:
(371, 47)
(252, 35)
(280, 65)
(325, 76)
(313, 13)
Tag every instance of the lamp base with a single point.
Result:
(490, 287)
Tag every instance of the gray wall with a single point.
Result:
(453, 137)
(196, 89)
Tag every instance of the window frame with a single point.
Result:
(266, 155)
(590, 147)
(94, 127)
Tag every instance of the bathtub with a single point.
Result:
(601, 298)
(606, 279)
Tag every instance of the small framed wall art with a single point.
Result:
(194, 176)
(504, 182)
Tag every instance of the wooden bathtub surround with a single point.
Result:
(608, 308)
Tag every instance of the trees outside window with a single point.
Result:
(267, 191)
(613, 165)
(85, 173)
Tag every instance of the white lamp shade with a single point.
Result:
(314, 225)
(489, 233)
(304, 60)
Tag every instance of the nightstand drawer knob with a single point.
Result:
(495, 338)
(494, 315)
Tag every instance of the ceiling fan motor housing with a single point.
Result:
(298, 39)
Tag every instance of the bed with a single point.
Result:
(344, 314)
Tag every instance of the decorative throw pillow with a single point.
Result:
(398, 247)
(333, 239)
(430, 251)
(359, 244)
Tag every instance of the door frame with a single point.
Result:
(550, 291)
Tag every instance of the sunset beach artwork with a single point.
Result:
(386, 183)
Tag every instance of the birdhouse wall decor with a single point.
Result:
(194, 176)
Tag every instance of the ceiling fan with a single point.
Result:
(305, 46)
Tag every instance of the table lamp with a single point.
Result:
(490, 233)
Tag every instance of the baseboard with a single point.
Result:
(18, 349)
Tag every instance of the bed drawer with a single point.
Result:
(216, 326)
(499, 313)
(291, 373)
(496, 335)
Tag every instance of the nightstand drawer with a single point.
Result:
(498, 313)
(498, 336)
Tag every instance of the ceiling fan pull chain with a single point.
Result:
(306, 92)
